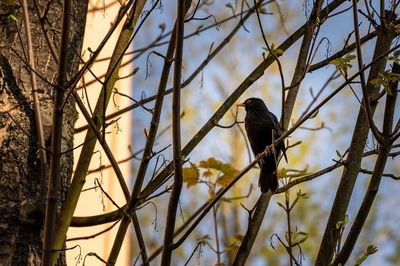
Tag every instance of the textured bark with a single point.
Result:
(21, 218)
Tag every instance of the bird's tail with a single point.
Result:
(268, 178)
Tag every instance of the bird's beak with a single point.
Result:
(240, 104)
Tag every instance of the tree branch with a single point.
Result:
(176, 139)
(54, 174)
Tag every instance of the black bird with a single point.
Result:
(260, 124)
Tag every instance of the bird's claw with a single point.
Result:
(260, 159)
(270, 150)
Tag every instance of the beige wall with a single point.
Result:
(93, 202)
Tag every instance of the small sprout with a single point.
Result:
(342, 224)
(297, 143)
(162, 27)
(231, 7)
(275, 51)
(14, 19)
(371, 249)
(340, 156)
(132, 73)
(199, 28)
(314, 115)
(90, 50)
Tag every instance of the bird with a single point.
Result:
(262, 127)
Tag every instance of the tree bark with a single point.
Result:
(21, 208)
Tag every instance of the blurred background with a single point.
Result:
(322, 138)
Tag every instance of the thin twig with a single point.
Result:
(93, 235)
(36, 104)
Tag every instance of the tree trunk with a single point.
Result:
(21, 207)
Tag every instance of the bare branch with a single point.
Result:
(36, 104)
(48, 256)
(176, 138)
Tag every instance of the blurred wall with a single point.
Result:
(93, 201)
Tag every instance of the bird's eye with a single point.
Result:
(248, 101)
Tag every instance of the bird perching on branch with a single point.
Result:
(263, 129)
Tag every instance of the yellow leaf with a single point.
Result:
(190, 175)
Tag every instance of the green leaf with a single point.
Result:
(14, 19)
(386, 79)
(190, 175)
(278, 51)
(343, 64)
(274, 50)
